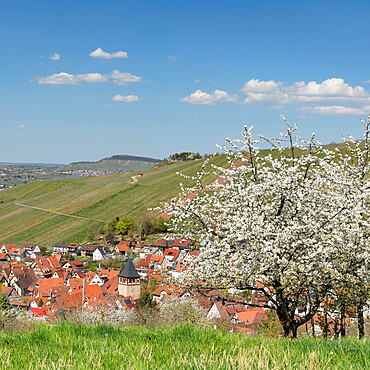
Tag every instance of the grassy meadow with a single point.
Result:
(99, 199)
(185, 347)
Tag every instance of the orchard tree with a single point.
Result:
(274, 223)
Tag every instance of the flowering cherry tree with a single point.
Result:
(279, 223)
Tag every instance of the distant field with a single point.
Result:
(67, 346)
(100, 198)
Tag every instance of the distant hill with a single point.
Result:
(114, 163)
(31, 164)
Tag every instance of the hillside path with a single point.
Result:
(57, 213)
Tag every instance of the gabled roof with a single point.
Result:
(9, 246)
(129, 270)
(29, 246)
(251, 315)
(178, 243)
(89, 248)
(108, 273)
(3, 256)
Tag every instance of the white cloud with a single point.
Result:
(202, 98)
(56, 56)
(127, 99)
(64, 78)
(99, 53)
(122, 78)
(367, 82)
(22, 126)
(172, 58)
(106, 105)
(331, 90)
(341, 110)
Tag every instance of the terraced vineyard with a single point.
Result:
(48, 212)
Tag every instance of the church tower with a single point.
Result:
(129, 281)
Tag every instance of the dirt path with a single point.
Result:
(12, 213)
(57, 213)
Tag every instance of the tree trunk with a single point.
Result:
(313, 327)
(360, 321)
(343, 321)
(326, 324)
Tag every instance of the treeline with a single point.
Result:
(183, 156)
(126, 225)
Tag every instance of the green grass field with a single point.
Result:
(67, 346)
(95, 198)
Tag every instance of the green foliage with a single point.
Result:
(270, 326)
(246, 294)
(40, 303)
(4, 303)
(145, 300)
(125, 224)
(183, 156)
(161, 225)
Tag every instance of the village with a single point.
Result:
(50, 288)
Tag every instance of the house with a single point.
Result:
(172, 256)
(4, 257)
(225, 310)
(101, 253)
(78, 274)
(250, 318)
(183, 244)
(10, 293)
(64, 274)
(22, 282)
(5, 248)
(107, 274)
(75, 265)
(60, 248)
(32, 249)
(143, 267)
(123, 249)
(157, 262)
(92, 278)
(18, 254)
(169, 290)
(64, 248)
(44, 267)
(88, 250)
(181, 266)
(49, 288)
(156, 251)
(73, 248)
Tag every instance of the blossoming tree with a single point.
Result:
(276, 223)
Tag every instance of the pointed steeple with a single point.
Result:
(129, 271)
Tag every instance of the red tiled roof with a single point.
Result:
(39, 311)
(109, 273)
(172, 253)
(111, 286)
(251, 315)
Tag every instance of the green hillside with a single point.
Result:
(84, 202)
(114, 163)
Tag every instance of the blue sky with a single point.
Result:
(170, 76)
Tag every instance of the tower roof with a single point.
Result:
(129, 270)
